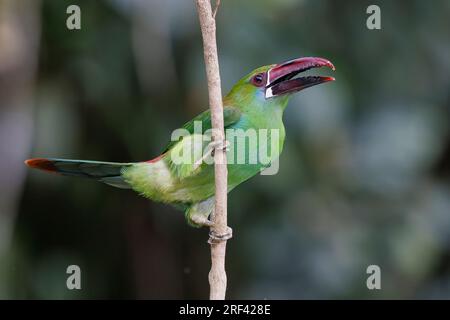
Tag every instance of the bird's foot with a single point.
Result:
(222, 145)
(201, 221)
(215, 237)
(210, 149)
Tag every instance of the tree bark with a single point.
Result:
(217, 275)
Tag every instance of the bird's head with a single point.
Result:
(276, 82)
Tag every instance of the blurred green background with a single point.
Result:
(364, 177)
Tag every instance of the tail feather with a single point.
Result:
(106, 172)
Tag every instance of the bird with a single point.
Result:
(183, 174)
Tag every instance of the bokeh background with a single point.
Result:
(364, 177)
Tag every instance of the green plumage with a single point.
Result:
(245, 107)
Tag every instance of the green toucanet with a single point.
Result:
(256, 102)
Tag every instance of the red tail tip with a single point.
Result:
(41, 163)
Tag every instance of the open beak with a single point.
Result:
(280, 78)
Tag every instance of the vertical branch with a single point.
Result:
(217, 275)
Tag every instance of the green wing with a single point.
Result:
(195, 143)
(230, 115)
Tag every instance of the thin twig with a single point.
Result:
(216, 8)
(217, 275)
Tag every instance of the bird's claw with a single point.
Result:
(223, 145)
(210, 150)
(215, 237)
(201, 221)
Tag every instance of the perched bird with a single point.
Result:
(256, 102)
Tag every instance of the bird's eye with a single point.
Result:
(258, 80)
